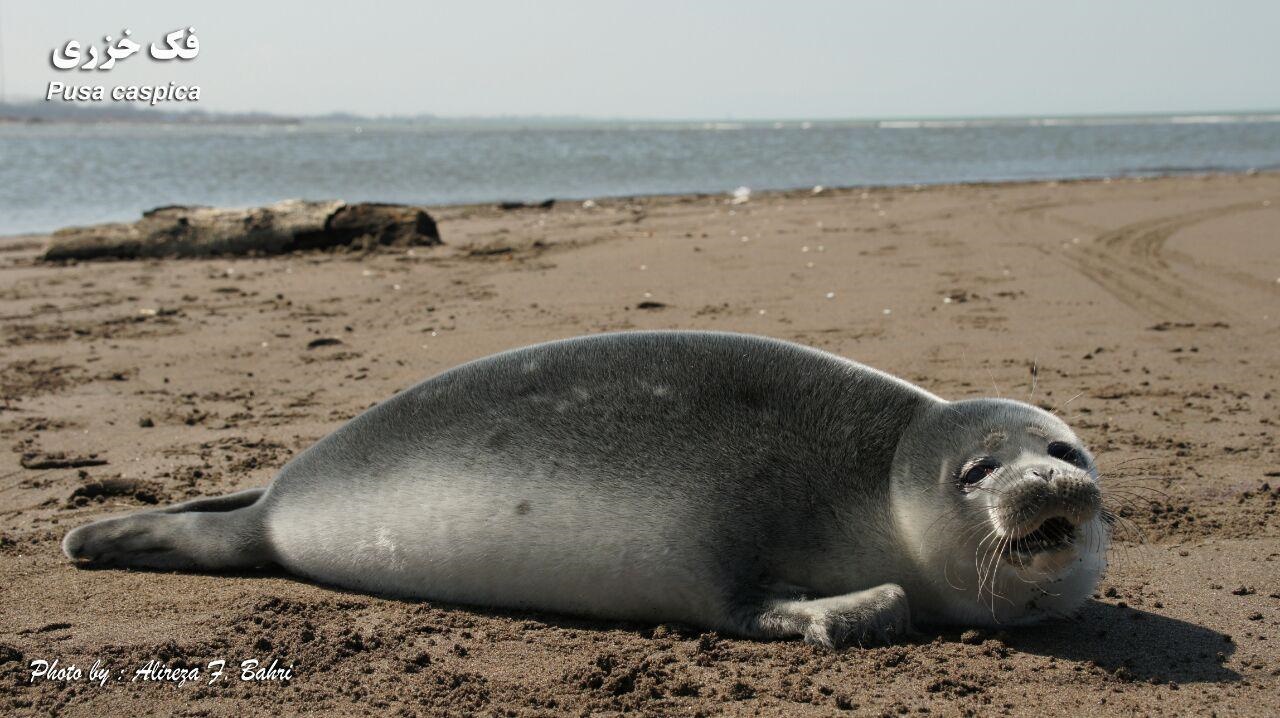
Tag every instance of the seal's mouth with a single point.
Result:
(1055, 534)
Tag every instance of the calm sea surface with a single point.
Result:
(63, 174)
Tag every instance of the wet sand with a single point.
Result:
(1145, 312)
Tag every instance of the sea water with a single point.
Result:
(59, 174)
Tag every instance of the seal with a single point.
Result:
(738, 483)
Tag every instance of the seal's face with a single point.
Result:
(1002, 504)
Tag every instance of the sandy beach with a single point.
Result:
(1145, 312)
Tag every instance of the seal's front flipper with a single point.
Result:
(876, 615)
(206, 534)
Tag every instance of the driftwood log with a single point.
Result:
(288, 226)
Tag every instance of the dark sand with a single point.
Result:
(1151, 309)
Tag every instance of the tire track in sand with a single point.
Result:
(1129, 264)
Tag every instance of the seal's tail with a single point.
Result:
(220, 533)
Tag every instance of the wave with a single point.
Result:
(1257, 118)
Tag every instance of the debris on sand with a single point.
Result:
(323, 342)
(288, 226)
(59, 460)
(146, 492)
(544, 204)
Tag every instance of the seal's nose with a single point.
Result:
(1043, 473)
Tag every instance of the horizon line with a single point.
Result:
(37, 101)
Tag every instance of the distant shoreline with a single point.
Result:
(38, 111)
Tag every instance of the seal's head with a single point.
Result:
(999, 503)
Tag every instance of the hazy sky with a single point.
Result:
(691, 59)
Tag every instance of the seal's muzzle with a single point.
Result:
(1042, 510)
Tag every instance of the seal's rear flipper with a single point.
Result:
(225, 532)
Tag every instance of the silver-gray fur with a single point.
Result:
(735, 482)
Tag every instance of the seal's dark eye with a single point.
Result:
(1068, 453)
(977, 471)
